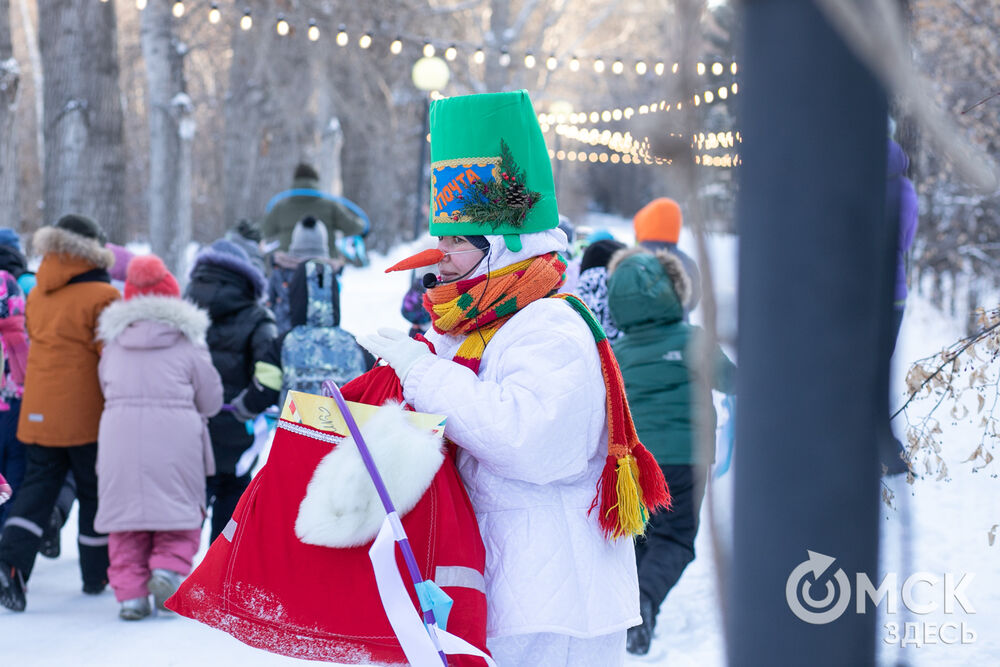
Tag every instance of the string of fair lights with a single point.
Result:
(623, 149)
(366, 39)
(626, 148)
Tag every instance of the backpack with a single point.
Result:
(318, 350)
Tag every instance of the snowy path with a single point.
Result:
(949, 524)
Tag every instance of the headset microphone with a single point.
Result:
(429, 281)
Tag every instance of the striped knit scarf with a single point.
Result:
(631, 484)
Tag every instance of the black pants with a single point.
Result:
(224, 491)
(11, 453)
(45, 472)
(668, 546)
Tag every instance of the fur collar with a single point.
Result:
(341, 508)
(54, 240)
(672, 265)
(621, 255)
(184, 316)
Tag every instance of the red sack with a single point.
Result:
(267, 588)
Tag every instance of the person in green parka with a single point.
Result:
(305, 199)
(658, 353)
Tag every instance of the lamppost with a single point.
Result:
(429, 74)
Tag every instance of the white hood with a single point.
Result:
(532, 245)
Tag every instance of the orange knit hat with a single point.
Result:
(659, 220)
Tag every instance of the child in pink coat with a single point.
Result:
(160, 388)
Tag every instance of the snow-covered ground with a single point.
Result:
(937, 527)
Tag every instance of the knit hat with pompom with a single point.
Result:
(148, 276)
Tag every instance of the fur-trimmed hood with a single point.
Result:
(60, 241)
(646, 287)
(672, 266)
(191, 321)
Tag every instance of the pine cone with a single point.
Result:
(518, 197)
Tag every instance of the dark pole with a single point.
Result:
(418, 215)
(815, 270)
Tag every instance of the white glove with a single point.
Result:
(5, 491)
(399, 350)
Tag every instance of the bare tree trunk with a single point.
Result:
(10, 77)
(35, 60)
(171, 130)
(84, 142)
(270, 118)
(328, 163)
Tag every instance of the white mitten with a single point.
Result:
(399, 350)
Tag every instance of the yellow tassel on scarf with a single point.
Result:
(632, 514)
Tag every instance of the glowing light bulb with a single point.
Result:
(709, 97)
(723, 93)
(717, 69)
(342, 37)
(429, 50)
(313, 31)
(640, 68)
(735, 88)
(246, 21)
(479, 57)
(396, 47)
(178, 9)
(140, 4)
(450, 53)
(574, 64)
(365, 41)
(214, 15)
(697, 100)
(551, 63)
(617, 67)
(732, 68)
(529, 61)
(282, 26)
(700, 68)
(504, 59)
(598, 65)
(675, 67)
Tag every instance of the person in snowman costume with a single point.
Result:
(534, 399)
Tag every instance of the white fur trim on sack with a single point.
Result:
(342, 508)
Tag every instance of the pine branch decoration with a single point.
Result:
(503, 201)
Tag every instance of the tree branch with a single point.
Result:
(966, 344)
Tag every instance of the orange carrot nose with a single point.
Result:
(424, 258)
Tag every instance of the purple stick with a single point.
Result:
(331, 389)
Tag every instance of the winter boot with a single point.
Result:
(12, 587)
(94, 587)
(50, 546)
(162, 584)
(641, 636)
(135, 609)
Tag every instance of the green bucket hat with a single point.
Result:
(490, 168)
